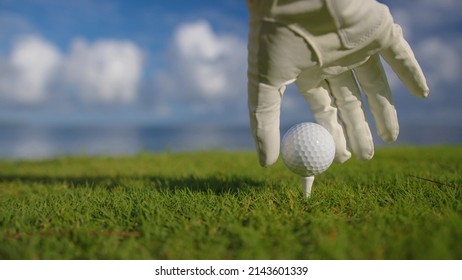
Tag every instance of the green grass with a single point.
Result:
(406, 203)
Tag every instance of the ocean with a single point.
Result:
(33, 142)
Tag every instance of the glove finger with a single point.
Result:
(264, 103)
(403, 62)
(373, 80)
(345, 90)
(322, 107)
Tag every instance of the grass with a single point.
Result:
(404, 204)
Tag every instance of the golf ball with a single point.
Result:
(307, 149)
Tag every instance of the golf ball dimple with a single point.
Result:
(307, 149)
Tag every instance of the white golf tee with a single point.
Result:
(307, 183)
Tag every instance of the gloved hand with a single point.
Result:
(327, 47)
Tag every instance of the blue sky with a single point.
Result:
(181, 62)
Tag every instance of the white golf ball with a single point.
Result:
(307, 149)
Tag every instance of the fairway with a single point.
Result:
(406, 203)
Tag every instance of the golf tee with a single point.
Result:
(307, 183)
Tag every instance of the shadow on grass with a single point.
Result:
(217, 184)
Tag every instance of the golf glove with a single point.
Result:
(329, 48)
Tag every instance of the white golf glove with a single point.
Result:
(327, 47)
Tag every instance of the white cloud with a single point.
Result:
(204, 66)
(440, 60)
(27, 73)
(197, 40)
(427, 14)
(107, 71)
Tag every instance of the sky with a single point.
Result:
(176, 62)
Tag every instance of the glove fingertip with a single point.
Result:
(418, 87)
(268, 145)
(267, 160)
(388, 136)
(425, 92)
(365, 155)
(341, 157)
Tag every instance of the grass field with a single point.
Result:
(404, 204)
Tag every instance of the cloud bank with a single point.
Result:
(25, 76)
(203, 72)
(103, 72)
(204, 67)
